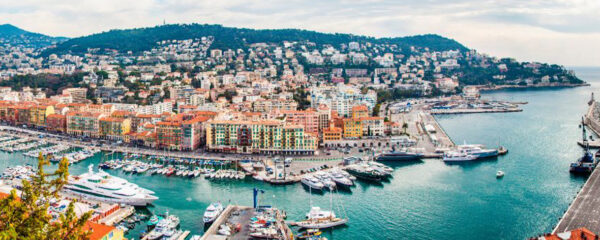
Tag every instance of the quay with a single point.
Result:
(475, 110)
(241, 215)
(585, 209)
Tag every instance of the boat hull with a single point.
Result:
(399, 157)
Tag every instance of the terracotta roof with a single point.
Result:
(98, 230)
(577, 234)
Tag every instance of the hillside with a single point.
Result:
(141, 39)
(16, 36)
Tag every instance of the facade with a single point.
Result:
(84, 124)
(372, 126)
(307, 118)
(352, 128)
(360, 111)
(38, 114)
(265, 137)
(56, 123)
(114, 128)
(332, 134)
(169, 135)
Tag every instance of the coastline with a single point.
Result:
(487, 88)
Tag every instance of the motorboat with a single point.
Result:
(499, 174)
(212, 212)
(312, 183)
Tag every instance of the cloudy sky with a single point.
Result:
(558, 31)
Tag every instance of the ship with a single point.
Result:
(587, 163)
(103, 187)
(400, 156)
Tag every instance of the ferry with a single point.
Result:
(400, 156)
(103, 187)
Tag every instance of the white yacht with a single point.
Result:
(458, 157)
(165, 228)
(340, 179)
(312, 183)
(103, 187)
(212, 212)
(319, 219)
(477, 150)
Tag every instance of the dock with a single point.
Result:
(585, 209)
(241, 215)
(475, 110)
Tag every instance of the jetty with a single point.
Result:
(585, 209)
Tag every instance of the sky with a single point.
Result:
(565, 32)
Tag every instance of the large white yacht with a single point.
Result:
(477, 150)
(104, 187)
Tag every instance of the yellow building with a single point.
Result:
(114, 128)
(352, 128)
(332, 134)
(360, 111)
(38, 114)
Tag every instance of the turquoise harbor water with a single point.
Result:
(429, 200)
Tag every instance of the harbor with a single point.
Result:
(425, 193)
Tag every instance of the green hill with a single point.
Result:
(141, 39)
(16, 36)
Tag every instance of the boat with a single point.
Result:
(103, 187)
(312, 183)
(165, 228)
(588, 162)
(341, 180)
(317, 218)
(309, 234)
(477, 150)
(212, 212)
(400, 156)
(458, 157)
(365, 173)
(499, 174)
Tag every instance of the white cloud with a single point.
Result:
(556, 31)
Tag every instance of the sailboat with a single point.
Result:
(317, 218)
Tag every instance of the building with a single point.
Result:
(169, 134)
(78, 95)
(103, 232)
(332, 134)
(38, 114)
(352, 128)
(84, 124)
(264, 137)
(114, 128)
(309, 119)
(360, 111)
(372, 126)
(56, 123)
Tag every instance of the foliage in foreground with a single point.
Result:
(26, 216)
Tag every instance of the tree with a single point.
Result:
(26, 216)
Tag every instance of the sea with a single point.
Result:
(428, 199)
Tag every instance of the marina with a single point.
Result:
(424, 192)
